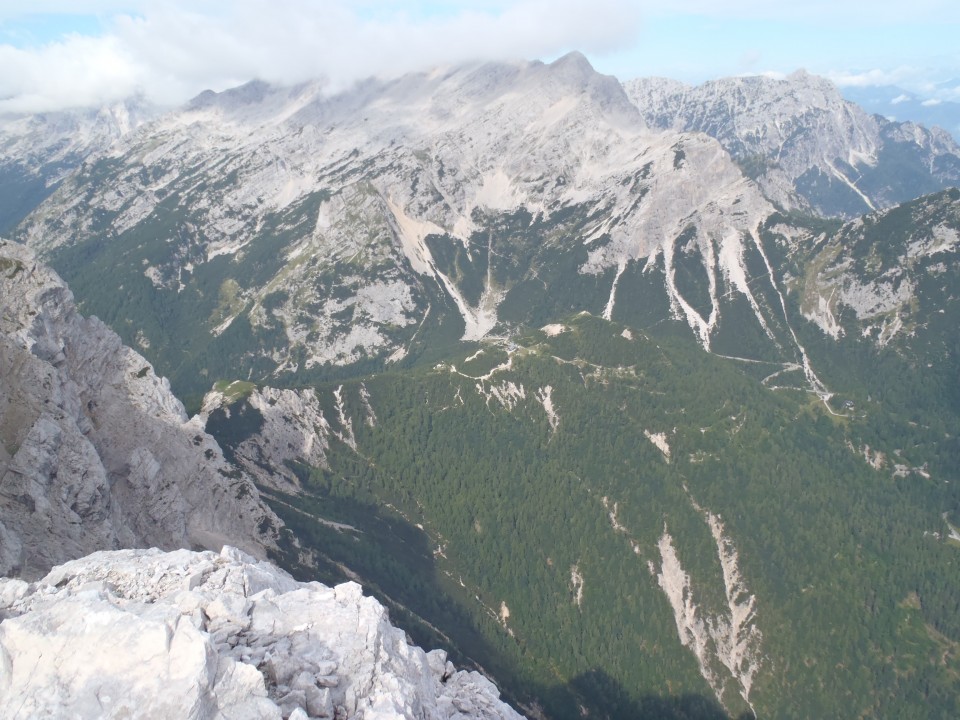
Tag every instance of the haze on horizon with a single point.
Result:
(58, 54)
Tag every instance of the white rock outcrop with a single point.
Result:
(96, 453)
(147, 634)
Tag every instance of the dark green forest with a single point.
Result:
(463, 505)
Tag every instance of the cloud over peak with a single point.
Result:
(170, 51)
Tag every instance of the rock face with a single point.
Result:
(330, 231)
(96, 452)
(807, 147)
(891, 277)
(269, 432)
(65, 138)
(38, 151)
(146, 634)
(284, 427)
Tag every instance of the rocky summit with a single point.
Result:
(146, 634)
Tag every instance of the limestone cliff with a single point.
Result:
(95, 451)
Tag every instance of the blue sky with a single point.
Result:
(698, 47)
(61, 53)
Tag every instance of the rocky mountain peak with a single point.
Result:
(575, 72)
(573, 66)
(799, 92)
(802, 76)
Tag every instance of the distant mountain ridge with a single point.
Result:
(38, 151)
(360, 229)
(896, 103)
(807, 147)
(283, 212)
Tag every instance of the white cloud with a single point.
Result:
(872, 78)
(170, 51)
(71, 73)
(914, 79)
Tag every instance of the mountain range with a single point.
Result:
(639, 396)
(807, 147)
(895, 102)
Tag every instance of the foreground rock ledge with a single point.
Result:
(148, 634)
